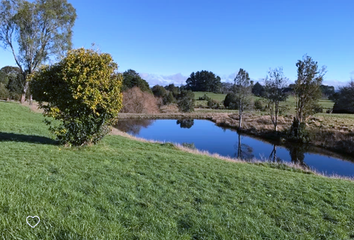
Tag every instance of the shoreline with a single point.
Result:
(339, 142)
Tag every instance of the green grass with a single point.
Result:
(290, 102)
(125, 189)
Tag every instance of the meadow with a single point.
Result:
(290, 102)
(122, 188)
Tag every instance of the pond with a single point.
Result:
(206, 135)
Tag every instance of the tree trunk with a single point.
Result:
(25, 89)
(276, 116)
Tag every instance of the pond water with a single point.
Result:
(205, 135)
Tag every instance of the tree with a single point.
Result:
(230, 101)
(173, 89)
(203, 81)
(275, 83)
(344, 103)
(83, 92)
(242, 88)
(258, 90)
(186, 101)
(41, 29)
(132, 79)
(307, 87)
(11, 77)
(159, 91)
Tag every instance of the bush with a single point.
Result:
(83, 92)
(186, 101)
(258, 105)
(318, 109)
(168, 99)
(159, 91)
(230, 101)
(4, 93)
(137, 101)
(213, 104)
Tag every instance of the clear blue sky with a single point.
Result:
(166, 40)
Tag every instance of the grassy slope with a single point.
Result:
(125, 189)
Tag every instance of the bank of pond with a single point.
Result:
(206, 135)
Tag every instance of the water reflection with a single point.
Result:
(297, 154)
(227, 142)
(185, 123)
(133, 126)
(273, 155)
(243, 151)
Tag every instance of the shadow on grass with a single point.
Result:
(15, 137)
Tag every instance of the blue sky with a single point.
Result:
(166, 40)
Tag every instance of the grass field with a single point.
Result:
(290, 102)
(126, 189)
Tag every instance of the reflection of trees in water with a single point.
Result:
(185, 123)
(133, 126)
(297, 154)
(273, 155)
(243, 151)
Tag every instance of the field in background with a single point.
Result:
(290, 102)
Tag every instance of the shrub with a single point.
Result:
(230, 101)
(258, 105)
(137, 101)
(83, 92)
(186, 101)
(4, 93)
(213, 104)
(159, 91)
(169, 98)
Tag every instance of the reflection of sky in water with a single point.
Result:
(207, 136)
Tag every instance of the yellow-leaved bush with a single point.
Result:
(82, 92)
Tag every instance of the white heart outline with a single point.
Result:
(32, 218)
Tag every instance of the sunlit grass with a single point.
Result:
(126, 189)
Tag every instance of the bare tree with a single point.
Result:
(243, 91)
(275, 83)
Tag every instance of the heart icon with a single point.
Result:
(32, 226)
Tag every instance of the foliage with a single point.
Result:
(12, 80)
(173, 89)
(168, 99)
(231, 101)
(132, 79)
(275, 83)
(203, 81)
(83, 92)
(243, 90)
(159, 91)
(344, 101)
(307, 87)
(258, 105)
(213, 104)
(258, 90)
(40, 28)
(137, 101)
(4, 92)
(298, 132)
(186, 101)
(327, 90)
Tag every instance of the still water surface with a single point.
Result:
(205, 135)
